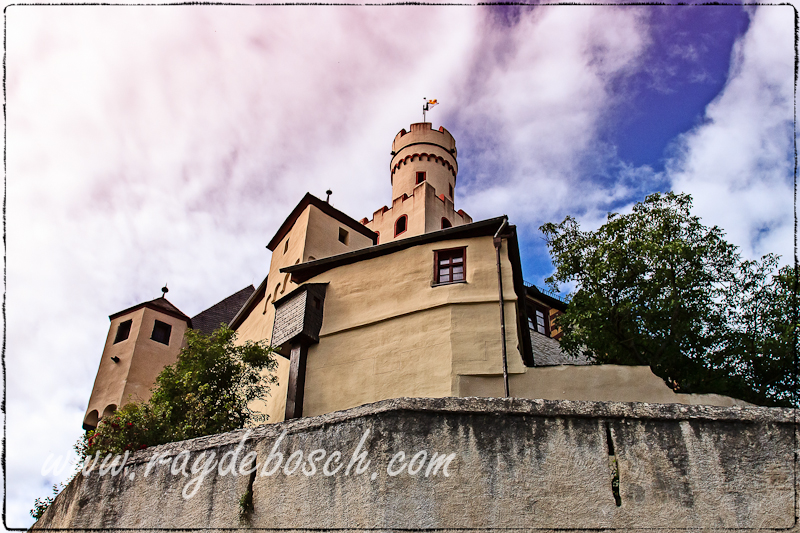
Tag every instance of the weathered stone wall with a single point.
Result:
(530, 464)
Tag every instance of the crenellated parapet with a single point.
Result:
(410, 158)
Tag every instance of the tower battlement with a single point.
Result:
(423, 140)
(423, 173)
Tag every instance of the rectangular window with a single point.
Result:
(343, 236)
(451, 190)
(450, 265)
(161, 332)
(537, 319)
(123, 331)
(420, 177)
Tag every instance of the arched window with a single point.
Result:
(401, 225)
(446, 223)
(109, 410)
(91, 420)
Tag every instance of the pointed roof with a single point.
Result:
(161, 305)
(221, 312)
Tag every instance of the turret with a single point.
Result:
(141, 341)
(423, 173)
(424, 154)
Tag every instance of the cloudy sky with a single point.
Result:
(166, 144)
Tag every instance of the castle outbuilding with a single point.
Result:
(419, 301)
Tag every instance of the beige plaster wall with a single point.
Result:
(255, 326)
(314, 235)
(388, 333)
(110, 380)
(150, 357)
(407, 356)
(476, 339)
(389, 286)
(616, 383)
(322, 237)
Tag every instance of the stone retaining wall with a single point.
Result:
(463, 463)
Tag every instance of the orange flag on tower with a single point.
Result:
(428, 104)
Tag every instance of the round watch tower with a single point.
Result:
(424, 154)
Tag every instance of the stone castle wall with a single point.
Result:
(463, 463)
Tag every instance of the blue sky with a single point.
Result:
(166, 144)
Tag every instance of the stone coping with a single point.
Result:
(484, 406)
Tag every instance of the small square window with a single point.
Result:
(123, 331)
(450, 265)
(420, 177)
(161, 332)
(344, 237)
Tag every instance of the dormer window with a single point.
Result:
(420, 177)
(401, 225)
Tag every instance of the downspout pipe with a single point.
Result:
(498, 242)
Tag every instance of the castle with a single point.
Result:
(419, 301)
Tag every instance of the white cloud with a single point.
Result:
(738, 164)
(537, 93)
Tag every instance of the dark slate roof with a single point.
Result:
(159, 304)
(222, 312)
(547, 352)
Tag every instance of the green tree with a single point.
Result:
(656, 287)
(207, 391)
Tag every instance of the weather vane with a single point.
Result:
(428, 105)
